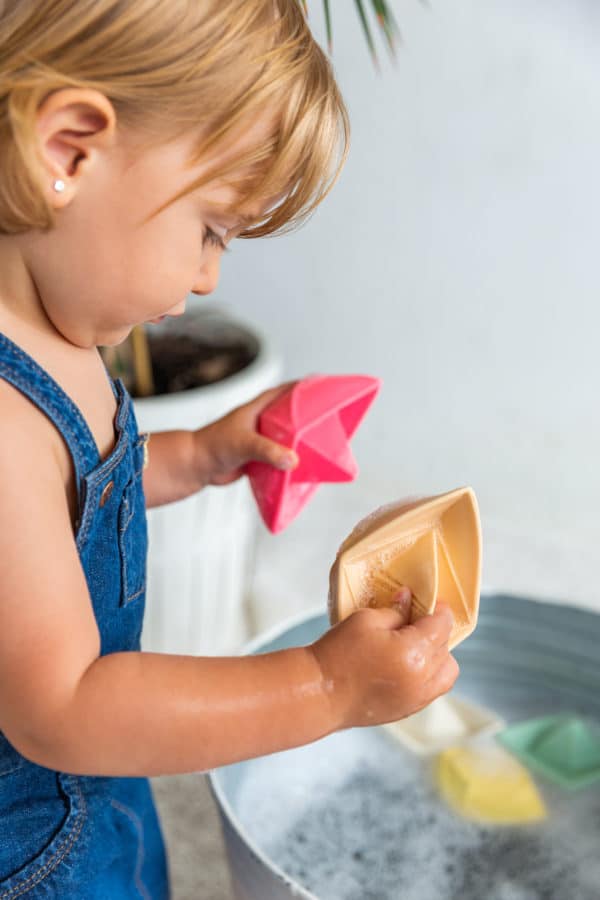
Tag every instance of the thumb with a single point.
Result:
(274, 454)
(402, 602)
(396, 613)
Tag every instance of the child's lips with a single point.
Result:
(166, 316)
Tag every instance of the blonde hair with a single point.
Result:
(169, 67)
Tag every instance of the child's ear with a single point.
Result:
(73, 126)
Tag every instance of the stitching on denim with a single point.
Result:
(61, 851)
(130, 507)
(56, 388)
(48, 404)
(133, 817)
(64, 426)
(128, 598)
(59, 418)
(124, 406)
(123, 572)
(123, 554)
(131, 598)
(93, 480)
(15, 768)
(141, 441)
(107, 465)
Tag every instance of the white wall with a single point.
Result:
(457, 259)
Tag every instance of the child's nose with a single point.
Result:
(208, 278)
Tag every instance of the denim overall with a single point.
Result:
(71, 836)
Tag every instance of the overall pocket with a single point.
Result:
(133, 540)
(41, 819)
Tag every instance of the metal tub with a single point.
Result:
(526, 658)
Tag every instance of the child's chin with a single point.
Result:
(114, 338)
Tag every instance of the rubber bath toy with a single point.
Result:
(432, 546)
(564, 748)
(448, 720)
(486, 783)
(317, 419)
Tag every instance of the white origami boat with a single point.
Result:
(448, 721)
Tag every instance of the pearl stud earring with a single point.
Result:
(59, 185)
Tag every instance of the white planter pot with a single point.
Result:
(201, 548)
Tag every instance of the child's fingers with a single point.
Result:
(402, 601)
(389, 618)
(436, 628)
(444, 677)
(272, 453)
(400, 604)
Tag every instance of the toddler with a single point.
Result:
(137, 139)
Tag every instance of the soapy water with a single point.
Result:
(362, 819)
(357, 815)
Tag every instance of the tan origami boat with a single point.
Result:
(431, 545)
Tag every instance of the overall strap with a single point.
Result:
(25, 374)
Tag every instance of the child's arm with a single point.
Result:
(181, 463)
(141, 714)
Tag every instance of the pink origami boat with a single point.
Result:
(317, 419)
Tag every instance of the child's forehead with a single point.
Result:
(235, 144)
(222, 195)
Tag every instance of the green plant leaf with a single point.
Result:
(365, 24)
(388, 24)
(327, 11)
(393, 22)
(385, 20)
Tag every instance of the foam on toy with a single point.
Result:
(317, 419)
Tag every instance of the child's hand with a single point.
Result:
(377, 668)
(225, 446)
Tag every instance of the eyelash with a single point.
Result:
(210, 237)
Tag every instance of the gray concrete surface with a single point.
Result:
(193, 836)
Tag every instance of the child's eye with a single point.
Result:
(211, 237)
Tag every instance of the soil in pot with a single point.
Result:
(194, 350)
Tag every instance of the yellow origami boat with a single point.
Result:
(485, 783)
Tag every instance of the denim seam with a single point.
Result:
(61, 851)
(130, 510)
(139, 444)
(60, 420)
(133, 597)
(133, 817)
(47, 405)
(127, 598)
(107, 465)
(52, 385)
(15, 768)
(93, 485)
